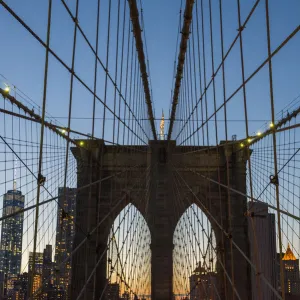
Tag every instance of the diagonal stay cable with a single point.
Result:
(242, 194)
(101, 63)
(221, 64)
(286, 163)
(276, 51)
(38, 204)
(202, 253)
(123, 243)
(22, 22)
(52, 197)
(228, 236)
(60, 130)
(77, 190)
(96, 227)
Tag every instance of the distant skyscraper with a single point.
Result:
(113, 291)
(55, 294)
(203, 284)
(10, 284)
(125, 296)
(47, 279)
(37, 284)
(291, 273)
(20, 290)
(64, 236)
(262, 242)
(12, 233)
(38, 263)
(38, 271)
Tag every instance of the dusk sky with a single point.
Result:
(22, 58)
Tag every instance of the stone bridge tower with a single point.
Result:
(98, 162)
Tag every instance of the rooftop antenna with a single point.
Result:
(15, 174)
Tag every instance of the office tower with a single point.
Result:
(56, 294)
(12, 233)
(38, 263)
(20, 291)
(113, 291)
(47, 268)
(10, 284)
(47, 278)
(262, 244)
(291, 274)
(35, 279)
(125, 296)
(203, 284)
(37, 285)
(64, 236)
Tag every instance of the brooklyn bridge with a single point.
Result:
(149, 149)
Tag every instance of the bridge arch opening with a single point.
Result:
(194, 257)
(128, 269)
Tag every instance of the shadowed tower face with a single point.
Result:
(161, 160)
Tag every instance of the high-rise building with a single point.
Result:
(64, 237)
(113, 291)
(35, 280)
(10, 284)
(47, 268)
(39, 260)
(262, 244)
(20, 291)
(47, 273)
(125, 296)
(56, 294)
(43, 275)
(203, 284)
(12, 233)
(291, 273)
(37, 285)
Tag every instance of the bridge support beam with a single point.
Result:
(236, 177)
(161, 219)
(90, 208)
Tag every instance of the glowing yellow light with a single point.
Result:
(258, 133)
(271, 125)
(242, 145)
(81, 143)
(249, 140)
(63, 131)
(6, 89)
